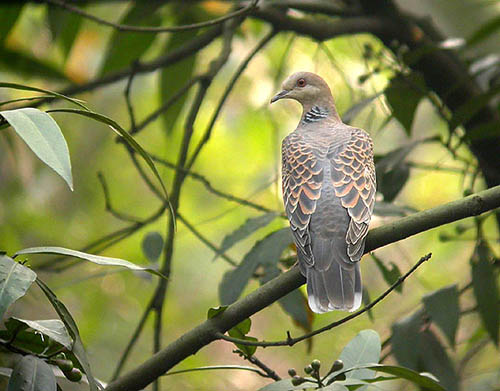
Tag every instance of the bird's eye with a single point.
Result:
(301, 82)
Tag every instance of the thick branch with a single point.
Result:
(268, 293)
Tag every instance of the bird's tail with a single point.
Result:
(337, 287)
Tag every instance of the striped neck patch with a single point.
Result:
(315, 114)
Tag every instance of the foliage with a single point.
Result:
(207, 71)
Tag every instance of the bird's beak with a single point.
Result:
(279, 95)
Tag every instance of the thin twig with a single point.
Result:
(293, 341)
(269, 372)
(144, 29)
(205, 241)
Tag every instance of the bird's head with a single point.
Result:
(305, 87)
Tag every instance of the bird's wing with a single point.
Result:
(302, 177)
(353, 179)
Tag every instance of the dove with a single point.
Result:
(328, 183)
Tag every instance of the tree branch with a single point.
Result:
(268, 293)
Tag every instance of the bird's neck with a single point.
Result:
(319, 112)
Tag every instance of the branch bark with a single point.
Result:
(268, 293)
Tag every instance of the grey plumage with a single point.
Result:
(328, 191)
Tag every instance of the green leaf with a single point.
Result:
(434, 359)
(240, 331)
(23, 87)
(285, 385)
(52, 328)
(485, 289)
(214, 367)
(245, 230)
(443, 309)
(404, 94)
(42, 134)
(419, 379)
(390, 275)
(405, 339)
(15, 279)
(356, 108)
(486, 30)
(24, 338)
(362, 349)
(126, 47)
(127, 138)
(78, 349)
(64, 26)
(335, 387)
(100, 260)
(33, 374)
(8, 17)
(152, 246)
(214, 311)
(175, 76)
(265, 251)
(24, 64)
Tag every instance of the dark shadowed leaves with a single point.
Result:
(405, 339)
(240, 331)
(404, 94)
(152, 246)
(64, 27)
(443, 308)
(15, 279)
(33, 374)
(390, 275)
(246, 229)
(8, 18)
(44, 137)
(266, 251)
(486, 290)
(126, 47)
(24, 64)
(78, 349)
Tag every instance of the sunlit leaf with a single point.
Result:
(15, 279)
(78, 349)
(404, 94)
(390, 275)
(98, 259)
(443, 308)
(246, 229)
(52, 328)
(8, 17)
(44, 137)
(485, 289)
(126, 47)
(152, 246)
(33, 374)
(240, 331)
(265, 251)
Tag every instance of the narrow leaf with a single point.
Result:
(152, 246)
(443, 309)
(246, 229)
(78, 349)
(362, 349)
(23, 87)
(32, 374)
(15, 279)
(390, 275)
(100, 260)
(42, 134)
(356, 108)
(484, 31)
(127, 138)
(52, 328)
(485, 289)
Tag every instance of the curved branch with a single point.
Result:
(144, 29)
(268, 293)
